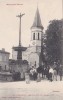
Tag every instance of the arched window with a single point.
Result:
(33, 36)
(38, 36)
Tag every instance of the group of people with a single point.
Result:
(43, 72)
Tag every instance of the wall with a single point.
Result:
(4, 61)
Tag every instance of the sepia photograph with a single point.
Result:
(31, 49)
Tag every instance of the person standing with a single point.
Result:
(47, 72)
(39, 71)
(55, 74)
(42, 70)
(55, 71)
(60, 72)
(51, 71)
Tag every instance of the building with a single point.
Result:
(4, 60)
(34, 50)
(32, 53)
(5, 75)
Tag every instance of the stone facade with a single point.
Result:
(15, 67)
(34, 50)
(4, 60)
(5, 74)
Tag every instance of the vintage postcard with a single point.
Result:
(31, 49)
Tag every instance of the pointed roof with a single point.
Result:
(37, 20)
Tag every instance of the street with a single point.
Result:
(44, 90)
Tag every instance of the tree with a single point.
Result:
(53, 41)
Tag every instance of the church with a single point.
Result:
(32, 53)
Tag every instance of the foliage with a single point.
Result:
(53, 41)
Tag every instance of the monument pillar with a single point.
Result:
(19, 52)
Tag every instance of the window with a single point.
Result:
(33, 36)
(38, 36)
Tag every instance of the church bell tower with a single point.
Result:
(36, 31)
(36, 39)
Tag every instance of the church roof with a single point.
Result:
(37, 20)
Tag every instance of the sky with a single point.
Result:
(9, 23)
